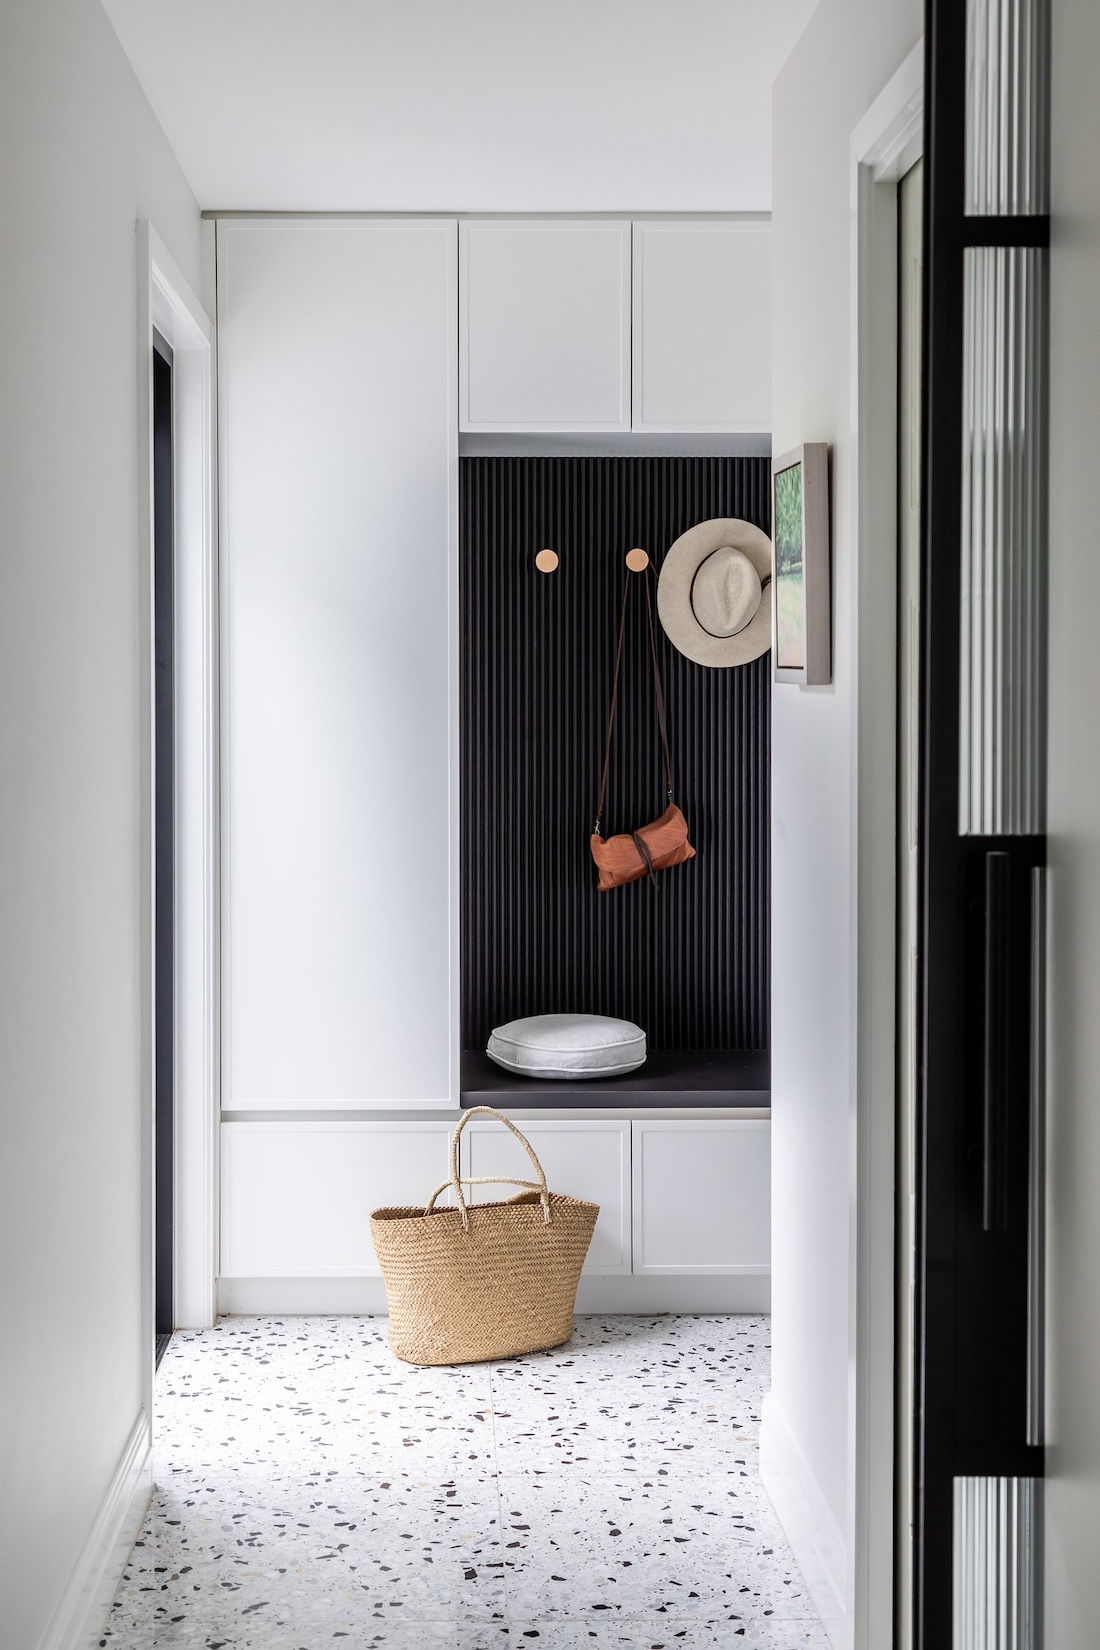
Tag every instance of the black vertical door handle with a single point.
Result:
(995, 1044)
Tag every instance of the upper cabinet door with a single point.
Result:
(544, 325)
(702, 326)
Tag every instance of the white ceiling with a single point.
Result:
(466, 105)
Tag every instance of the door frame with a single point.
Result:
(886, 143)
(166, 302)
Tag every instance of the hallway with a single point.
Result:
(311, 1489)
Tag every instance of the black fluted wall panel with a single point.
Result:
(687, 959)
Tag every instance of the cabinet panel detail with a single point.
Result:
(702, 1196)
(545, 325)
(297, 1197)
(585, 1159)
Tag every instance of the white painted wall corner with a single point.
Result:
(77, 1622)
(816, 1538)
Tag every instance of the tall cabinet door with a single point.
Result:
(338, 363)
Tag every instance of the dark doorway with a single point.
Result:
(164, 838)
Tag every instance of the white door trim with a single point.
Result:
(166, 301)
(886, 143)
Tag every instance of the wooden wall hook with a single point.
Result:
(547, 561)
(637, 560)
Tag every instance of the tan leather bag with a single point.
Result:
(664, 841)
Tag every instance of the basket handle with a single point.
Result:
(457, 1181)
(485, 1180)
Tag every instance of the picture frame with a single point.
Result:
(801, 587)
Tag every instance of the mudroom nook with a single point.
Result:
(415, 718)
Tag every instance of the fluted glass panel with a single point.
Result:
(1003, 657)
(1006, 106)
(996, 1563)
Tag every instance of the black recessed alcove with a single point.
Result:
(687, 957)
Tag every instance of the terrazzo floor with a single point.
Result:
(314, 1491)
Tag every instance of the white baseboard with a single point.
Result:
(302, 1297)
(77, 1622)
(816, 1538)
(746, 1293)
(336, 1297)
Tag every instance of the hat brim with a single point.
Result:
(674, 593)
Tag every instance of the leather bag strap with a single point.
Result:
(657, 688)
(658, 693)
(644, 854)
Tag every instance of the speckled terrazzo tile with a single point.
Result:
(657, 1634)
(255, 1634)
(665, 1347)
(314, 1491)
(265, 1422)
(302, 1552)
(232, 1367)
(281, 1446)
(214, 1359)
(640, 1548)
(740, 1345)
(634, 1386)
(580, 1430)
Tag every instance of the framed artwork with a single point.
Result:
(802, 605)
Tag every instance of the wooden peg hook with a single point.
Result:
(547, 561)
(637, 560)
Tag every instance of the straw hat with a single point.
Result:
(713, 595)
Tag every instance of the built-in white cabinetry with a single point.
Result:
(702, 1195)
(589, 325)
(297, 1197)
(340, 380)
(545, 324)
(338, 357)
(585, 1158)
(702, 326)
(678, 1197)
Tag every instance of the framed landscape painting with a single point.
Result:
(802, 628)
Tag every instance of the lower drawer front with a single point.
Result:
(702, 1197)
(297, 1197)
(677, 1198)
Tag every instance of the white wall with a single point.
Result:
(849, 51)
(81, 157)
(1073, 1504)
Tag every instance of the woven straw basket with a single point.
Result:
(483, 1280)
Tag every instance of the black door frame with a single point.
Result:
(975, 946)
(164, 807)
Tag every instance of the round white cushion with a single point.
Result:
(568, 1046)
